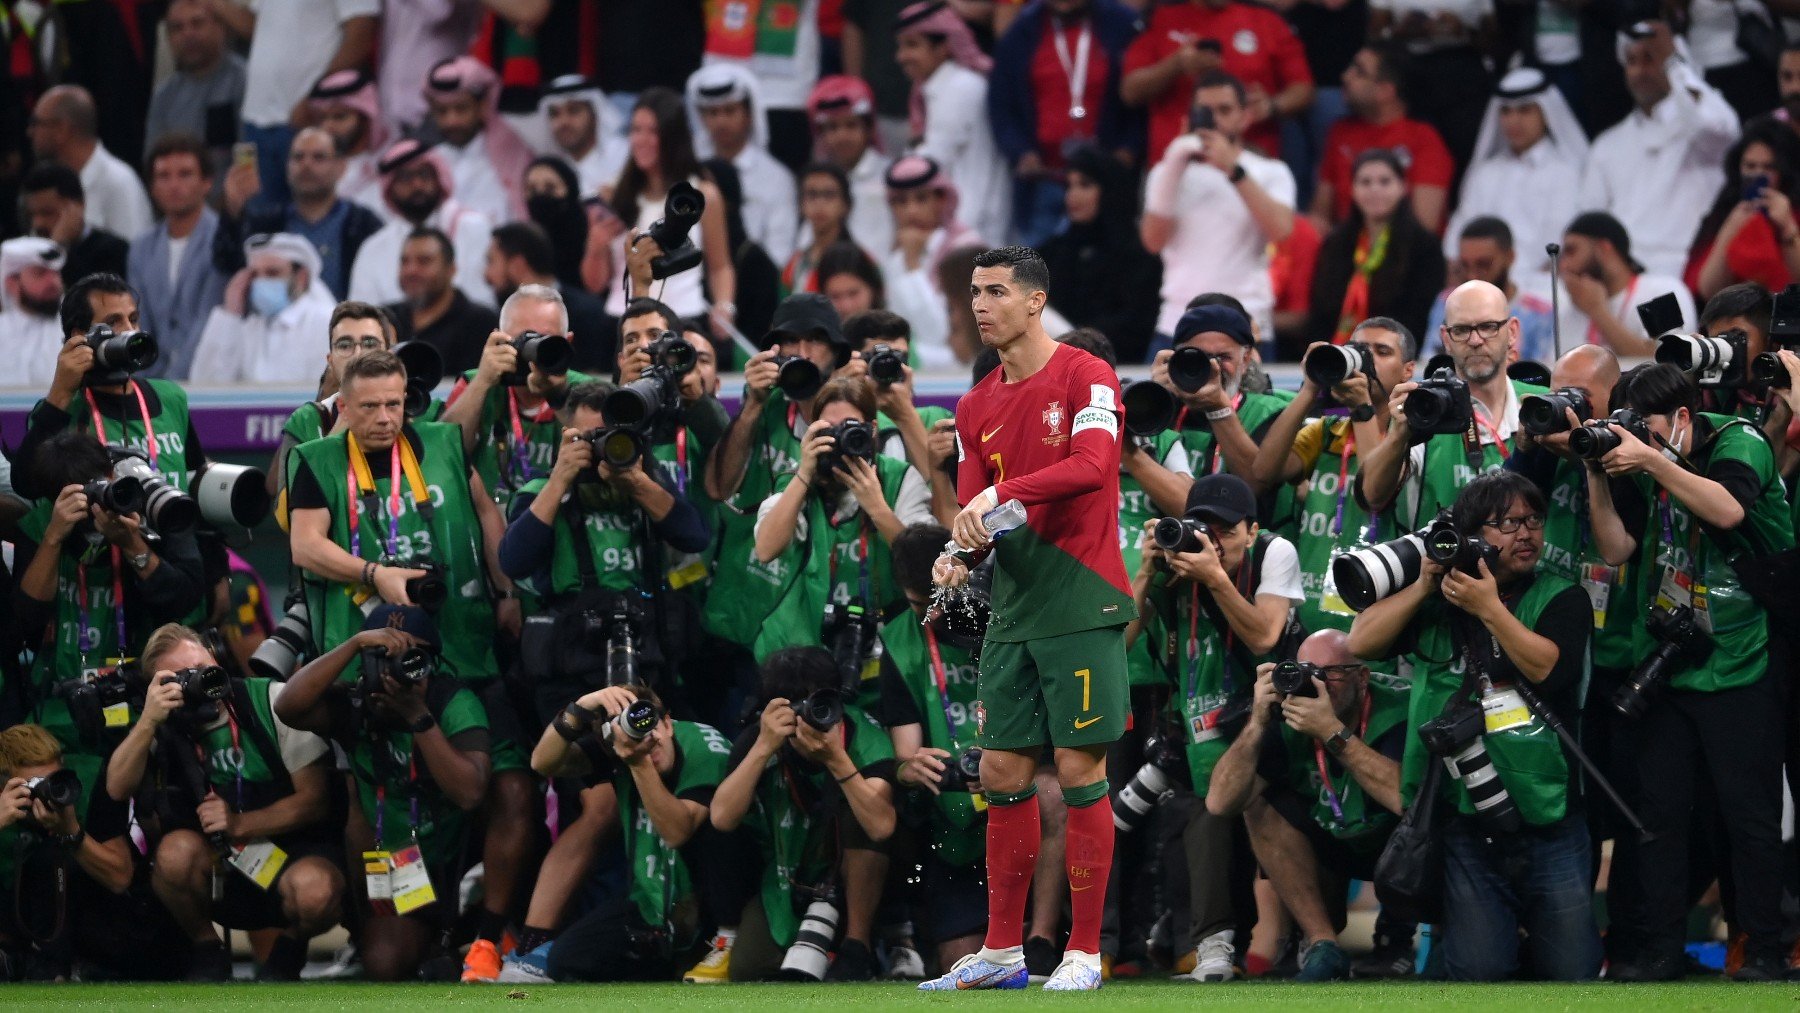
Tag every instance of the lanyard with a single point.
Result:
(1337, 521)
(1472, 439)
(1331, 795)
(1076, 69)
(681, 469)
(1593, 331)
(88, 636)
(520, 454)
(394, 477)
(412, 792)
(943, 683)
(1214, 462)
(124, 436)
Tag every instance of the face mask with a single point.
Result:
(546, 209)
(269, 296)
(1674, 445)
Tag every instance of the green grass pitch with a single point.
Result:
(1145, 995)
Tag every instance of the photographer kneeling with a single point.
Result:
(813, 783)
(1487, 638)
(1319, 791)
(1711, 502)
(685, 879)
(253, 796)
(418, 748)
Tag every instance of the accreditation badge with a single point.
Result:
(1598, 579)
(260, 861)
(411, 883)
(377, 873)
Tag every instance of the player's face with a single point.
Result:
(1003, 310)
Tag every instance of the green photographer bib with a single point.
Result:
(1570, 553)
(1357, 820)
(392, 779)
(1254, 412)
(745, 590)
(234, 753)
(614, 533)
(511, 448)
(1528, 757)
(958, 827)
(660, 880)
(168, 425)
(1207, 678)
(449, 536)
(1453, 461)
(1135, 510)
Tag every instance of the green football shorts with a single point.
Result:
(1068, 690)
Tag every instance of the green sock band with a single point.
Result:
(1000, 798)
(1084, 796)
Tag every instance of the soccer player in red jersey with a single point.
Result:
(1042, 429)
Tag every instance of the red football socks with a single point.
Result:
(1012, 850)
(1089, 836)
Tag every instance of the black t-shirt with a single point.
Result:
(305, 493)
(459, 335)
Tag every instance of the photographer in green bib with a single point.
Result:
(686, 882)
(1693, 503)
(234, 804)
(506, 406)
(1348, 387)
(1498, 651)
(596, 540)
(1582, 387)
(928, 705)
(1217, 596)
(883, 344)
(390, 511)
(1219, 422)
(417, 742)
(805, 347)
(94, 580)
(812, 782)
(1446, 430)
(1316, 776)
(829, 523)
(94, 391)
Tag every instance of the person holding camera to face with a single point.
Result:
(506, 407)
(1693, 502)
(686, 879)
(418, 748)
(96, 579)
(1316, 775)
(832, 521)
(389, 511)
(921, 435)
(644, 323)
(1499, 653)
(71, 894)
(253, 808)
(1462, 424)
(1217, 594)
(811, 780)
(596, 539)
(94, 390)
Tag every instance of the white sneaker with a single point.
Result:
(904, 964)
(1073, 975)
(1213, 958)
(345, 963)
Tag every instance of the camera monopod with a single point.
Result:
(1555, 252)
(1549, 717)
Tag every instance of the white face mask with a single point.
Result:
(1675, 444)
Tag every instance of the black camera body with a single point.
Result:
(1149, 408)
(1680, 642)
(798, 377)
(1440, 405)
(202, 685)
(1191, 368)
(612, 631)
(1544, 414)
(681, 212)
(638, 404)
(1329, 365)
(823, 709)
(886, 365)
(963, 772)
(1447, 547)
(850, 439)
(550, 353)
(1457, 737)
(1181, 534)
(849, 632)
(115, 495)
(1595, 440)
(117, 356)
(59, 789)
(411, 667)
(431, 589)
(1449, 732)
(1294, 678)
(617, 447)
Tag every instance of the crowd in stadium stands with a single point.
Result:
(579, 674)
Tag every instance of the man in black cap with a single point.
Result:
(1215, 603)
(805, 346)
(1220, 423)
(1603, 286)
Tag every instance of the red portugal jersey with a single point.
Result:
(1050, 441)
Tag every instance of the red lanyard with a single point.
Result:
(681, 475)
(1218, 463)
(520, 453)
(394, 476)
(1331, 795)
(88, 637)
(412, 781)
(124, 436)
(1593, 331)
(1473, 437)
(943, 683)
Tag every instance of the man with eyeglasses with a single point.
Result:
(1420, 478)
(356, 328)
(1499, 649)
(1316, 777)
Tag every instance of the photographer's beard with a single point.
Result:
(1482, 366)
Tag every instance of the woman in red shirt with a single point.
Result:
(1751, 233)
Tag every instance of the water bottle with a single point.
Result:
(998, 521)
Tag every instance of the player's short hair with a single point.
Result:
(1029, 271)
(915, 552)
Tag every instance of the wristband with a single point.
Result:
(1339, 741)
(1236, 175)
(368, 574)
(848, 776)
(71, 841)
(560, 725)
(1219, 413)
(425, 723)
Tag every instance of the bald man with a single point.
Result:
(1316, 776)
(64, 128)
(1480, 332)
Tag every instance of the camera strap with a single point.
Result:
(521, 451)
(681, 455)
(1331, 795)
(124, 435)
(88, 635)
(584, 552)
(1472, 439)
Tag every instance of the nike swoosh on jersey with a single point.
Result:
(988, 436)
(1079, 725)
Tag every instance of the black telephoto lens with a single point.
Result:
(1190, 368)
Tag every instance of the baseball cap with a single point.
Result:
(807, 315)
(407, 619)
(1223, 498)
(1222, 319)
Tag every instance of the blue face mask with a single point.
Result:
(269, 296)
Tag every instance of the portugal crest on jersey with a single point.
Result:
(1053, 418)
